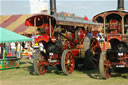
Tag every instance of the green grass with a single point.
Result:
(24, 76)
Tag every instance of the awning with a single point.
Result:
(8, 36)
(16, 23)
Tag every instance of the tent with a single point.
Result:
(8, 36)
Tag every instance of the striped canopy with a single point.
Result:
(8, 36)
(16, 23)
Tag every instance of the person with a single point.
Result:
(12, 49)
(41, 47)
(42, 50)
(19, 50)
(100, 37)
(89, 33)
(26, 45)
(23, 45)
(30, 52)
(1, 51)
(7, 47)
(33, 39)
(0, 48)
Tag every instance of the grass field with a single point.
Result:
(24, 76)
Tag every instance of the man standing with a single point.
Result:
(89, 32)
(12, 49)
(7, 47)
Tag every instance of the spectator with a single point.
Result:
(33, 39)
(100, 37)
(12, 49)
(7, 47)
(23, 45)
(19, 50)
(30, 52)
(41, 47)
(1, 51)
(26, 45)
(89, 32)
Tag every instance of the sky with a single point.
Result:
(82, 8)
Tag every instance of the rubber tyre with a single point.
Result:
(36, 64)
(63, 61)
(101, 66)
(86, 44)
(59, 67)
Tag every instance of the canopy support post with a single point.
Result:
(50, 27)
(3, 53)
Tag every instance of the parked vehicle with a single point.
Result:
(114, 54)
(65, 41)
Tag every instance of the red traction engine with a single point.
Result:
(64, 39)
(114, 57)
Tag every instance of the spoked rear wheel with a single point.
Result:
(39, 67)
(67, 62)
(104, 66)
(92, 53)
(91, 60)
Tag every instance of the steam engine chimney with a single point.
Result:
(120, 5)
(52, 7)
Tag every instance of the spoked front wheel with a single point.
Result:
(104, 66)
(67, 62)
(39, 67)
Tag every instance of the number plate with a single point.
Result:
(120, 54)
(120, 66)
(51, 54)
(52, 61)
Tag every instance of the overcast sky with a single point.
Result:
(79, 7)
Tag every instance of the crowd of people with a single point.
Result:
(16, 49)
(27, 48)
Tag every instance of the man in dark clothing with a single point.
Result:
(89, 32)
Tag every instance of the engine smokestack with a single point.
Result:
(52, 7)
(120, 5)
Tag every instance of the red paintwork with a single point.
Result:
(114, 24)
(122, 59)
(95, 33)
(107, 65)
(94, 45)
(9, 54)
(28, 23)
(54, 57)
(73, 38)
(114, 36)
(75, 52)
(43, 38)
(85, 18)
(118, 63)
(54, 64)
(73, 35)
(42, 70)
(46, 27)
(69, 66)
(104, 45)
(53, 38)
(81, 34)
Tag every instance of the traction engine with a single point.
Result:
(114, 56)
(63, 41)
